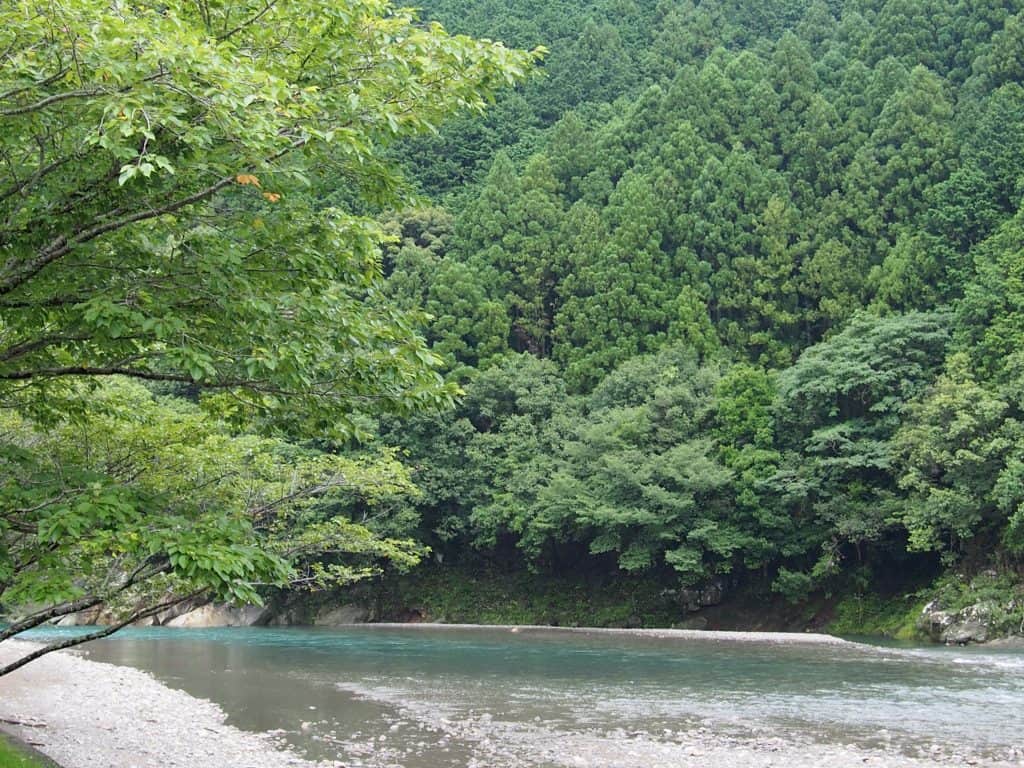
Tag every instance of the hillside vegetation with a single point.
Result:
(733, 289)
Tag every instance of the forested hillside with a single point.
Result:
(733, 288)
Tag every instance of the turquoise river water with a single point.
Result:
(419, 696)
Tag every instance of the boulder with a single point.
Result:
(90, 617)
(712, 593)
(221, 615)
(80, 619)
(341, 615)
(104, 616)
(298, 615)
(935, 620)
(964, 632)
(972, 625)
(690, 599)
(968, 625)
(166, 617)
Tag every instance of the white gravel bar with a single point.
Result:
(86, 714)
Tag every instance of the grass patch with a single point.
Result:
(12, 757)
(869, 614)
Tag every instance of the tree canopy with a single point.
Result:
(184, 192)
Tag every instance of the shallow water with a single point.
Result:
(418, 697)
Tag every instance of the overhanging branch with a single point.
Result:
(17, 275)
(101, 633)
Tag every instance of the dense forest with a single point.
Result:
(718, 292)
(733, 288)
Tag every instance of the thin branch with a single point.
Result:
(308, 491)
(85, 370)
(38, 84)
(53, 99)
(54, 612)
(161, 565)
(249, 22)
(82, 93)
(42, 171)
(36, 344)
(50, 301)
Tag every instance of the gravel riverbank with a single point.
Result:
(87, 714)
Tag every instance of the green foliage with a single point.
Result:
(771, 252)
(185, 147)
(956, 445)
(992, 312)
(873, 615)
(10, 757)
(170, 212)
(458, 595)
(998, 595)
(150, 496)
(840, 406)
(735, 288)
(793, 585)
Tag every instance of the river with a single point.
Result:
(421, 697)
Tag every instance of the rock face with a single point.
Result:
(965, 632)
(80, 619)
(712, 593)
(221, 615)
(708, 594)
(196, 614)
(165, 617)
(99, 616)
(287, 618)
(192, 613)
(935, 620)
(341, 615)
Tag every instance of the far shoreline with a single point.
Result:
(657, 633)
(714, 635)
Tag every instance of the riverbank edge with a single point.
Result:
(953, 610)
(654, 633)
